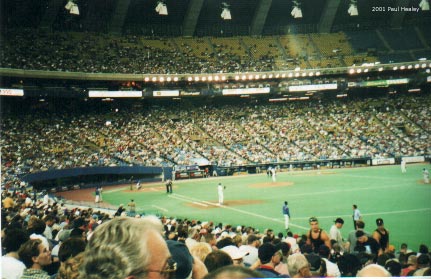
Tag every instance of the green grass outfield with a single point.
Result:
(402, 200)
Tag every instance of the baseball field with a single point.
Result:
(401, 199)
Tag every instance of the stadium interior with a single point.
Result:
(118, 92)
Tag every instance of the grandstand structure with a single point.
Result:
(120, 85)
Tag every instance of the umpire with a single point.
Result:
(169, 186)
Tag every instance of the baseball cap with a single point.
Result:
(324, 250)
(339, 220)
(393, 266)
(181, 255)
(314, 261)
(266, 251)
(234, 252)
(312, 219)
(379, 221)
(359, 233)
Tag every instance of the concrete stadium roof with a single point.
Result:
(202, 17)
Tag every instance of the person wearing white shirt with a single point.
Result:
(220, 189)
(11, 266)
(332, 269)
(356, 215)
(251, 248)
(335, 234)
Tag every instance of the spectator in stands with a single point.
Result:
(70, 248)
(352, 235)
(367, 244)
(394, 267)
(217, 259)
(381, 235)
(349, 265)
(126, 247)
(70, 268)
(35, 255)
(317, 236)
(269, 257)
(423, 264)
(412, 265)
(235, 253)
(298, 266)
(12, 267)
(332, 269)
(335, 234)
(233, 272)
(373, 270)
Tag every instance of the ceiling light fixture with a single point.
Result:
(161, 8)
(225, 13)
(296, 11)
(353, 8)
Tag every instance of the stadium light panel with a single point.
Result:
(161, 8)
(175, 78)
(424, 5)
(353, 8)
(72, 7)
(296, 12)
(69, 5)
(74, 10)
(225, 13)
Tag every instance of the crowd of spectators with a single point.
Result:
(223, 135)
(43, 238)
(95, 53)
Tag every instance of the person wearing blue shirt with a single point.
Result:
(286, 214)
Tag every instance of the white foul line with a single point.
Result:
(161, 208)
(189, 199)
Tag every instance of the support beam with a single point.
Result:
(119, 16)
(260, 17)
(191, 18)
(328, 16)
(398, 17)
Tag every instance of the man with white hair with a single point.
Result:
(127, 248)
(298, 266)
(373, 270)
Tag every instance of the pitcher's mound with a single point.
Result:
(271, 184)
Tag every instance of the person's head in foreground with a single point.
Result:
(127, 248)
